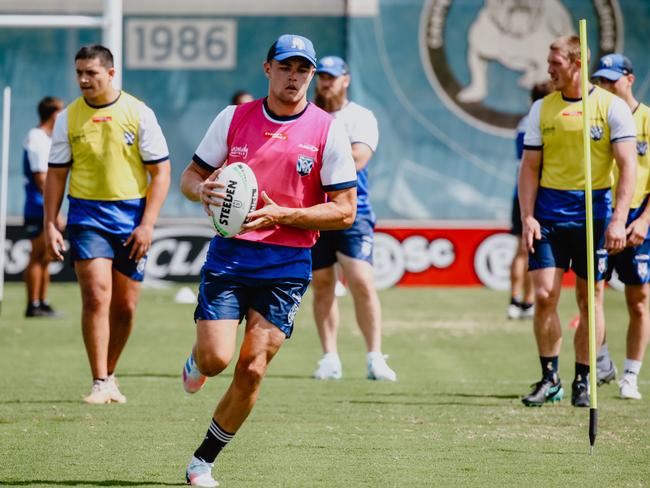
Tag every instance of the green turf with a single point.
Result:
(453, 418)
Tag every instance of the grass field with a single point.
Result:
(453, 418)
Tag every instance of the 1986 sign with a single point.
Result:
(181, 43)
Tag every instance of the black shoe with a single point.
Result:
(606, 374)
(544, 391)
(580, 394)
(34, 311)
(48, 311)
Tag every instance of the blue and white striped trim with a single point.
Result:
(340, 186)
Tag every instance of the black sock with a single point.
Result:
(549, 367)
(215, 440)
(582, 373)
(514, 301)
(525, 305)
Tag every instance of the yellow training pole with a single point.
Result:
(591, 288)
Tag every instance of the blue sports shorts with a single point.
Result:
(356, 242)
(33, 227)
(564, 244)
(227, 297)
(89, 243)
(631, 264)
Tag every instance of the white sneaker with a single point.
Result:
(629, 388)
(514, 311)
(329, 368)
(100, 393)
(527, 313)
(199, 473)
(113, 386)
(378, 369)
(339, 289)
(193, 380)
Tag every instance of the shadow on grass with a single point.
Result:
(27, 402)
(430, 404)
(85, 482)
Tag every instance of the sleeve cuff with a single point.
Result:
(203, 164)
(59, 165)
(340, 186)
(156, 161)
(623, 138)
(529, 147)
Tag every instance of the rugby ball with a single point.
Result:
(241, 199)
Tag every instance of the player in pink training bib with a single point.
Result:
(307, 181)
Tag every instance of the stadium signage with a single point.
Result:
(503, 37)
(435, 256)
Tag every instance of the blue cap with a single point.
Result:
(291, 45)
(332, 65)
(612, 67)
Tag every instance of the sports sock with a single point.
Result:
(603, 354)
(549, 367)
(215, 440)
(525, 305)
(582, 372)
(515, 301)
(632, 366)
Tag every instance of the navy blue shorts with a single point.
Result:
(564, 244)
(33, 227)
(356, 242)
(228, 297)
(515, 217)
(631, 264)
(89, 243)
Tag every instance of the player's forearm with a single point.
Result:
(158, 189)
(624, 191)
(191, 181)
(53, 194)
(527, 187)
(332, 215)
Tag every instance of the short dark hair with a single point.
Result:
(540, 90)
(96, 51)
(234, 100)
(47, 107)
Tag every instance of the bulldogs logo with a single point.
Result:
(304, 165)
(596, 132)
(641, 148)
(512, 34)
(129, 138)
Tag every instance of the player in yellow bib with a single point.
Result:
(615, 74)
(553, 209)
(112, 146)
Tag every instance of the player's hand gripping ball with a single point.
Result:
(241, 199)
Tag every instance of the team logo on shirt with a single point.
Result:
(596, 132)
(129, 137)
(642, 269)
(641, 147)
(240, 152)
(503, 38)
(304, 165)
(104, 118)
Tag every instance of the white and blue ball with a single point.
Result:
(241, 199)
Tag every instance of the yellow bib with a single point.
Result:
(642, 119)
(106, 161)
(563, 155)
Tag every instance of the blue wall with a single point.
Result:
(436, 158)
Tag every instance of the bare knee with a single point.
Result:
(250, 371)
(211, 363)
(323, 281)
(546, 297)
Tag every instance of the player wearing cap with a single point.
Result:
(551, 195)
(615, 74)
(303, 164)
(351, 248)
